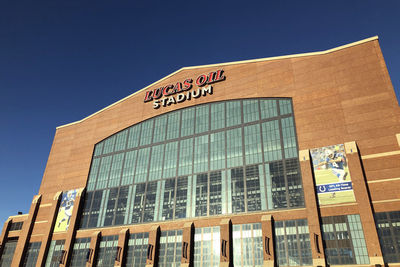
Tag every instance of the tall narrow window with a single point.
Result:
(170, 249)
(137, 249)
(388, 226)
(206, 247)
(344, 240)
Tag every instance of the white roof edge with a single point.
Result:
(226, 64)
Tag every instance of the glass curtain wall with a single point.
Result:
(8, 253)
(207, 247)
(137, 249)
(292, 243)
(80, 252)
(107, 251)
(55, 253)
(31, 255)
(344, 240)
(217, 158)
(170, 249)
(388, 227)
(247, 245)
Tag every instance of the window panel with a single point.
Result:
(187, 125)
(133, 137)
(156, 162)
(233, 113)
(31, 255)
(217, 116)
(271, 141)
(344, 240)
(109, 144)
(79, 252)
(201, 154)
(217, 151)
(201, 194)
(250, 111)
(146, 133)
(237, 190)
(173, 125)
(160, 126)
(170, 249)
(116, 168)
(292, 241)
(202, 118)
(185, 157)
(8, 252)
(234, 148)
(129, 168)
(120, 142)
(247, 245)
(252, 144)
(206, 247)
(268, 108)
(107, 251)
(215, 193)
(170, 160)
(54, 254)
(142, 165)
(285, 106)
(137, 249)
(388, 227)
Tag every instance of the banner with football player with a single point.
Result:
(65, 211)
(332, 176)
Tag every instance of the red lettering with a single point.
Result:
(166, 88)
(148, 96)
(157, 93)
(201, 80)
(220, 76)
(187, 84)
(211, 77)
(178, 88)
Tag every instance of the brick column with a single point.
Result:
(68, 246)
(41, 261)
(4, 235)
(152, 249)
(226, 258)
(364, 203)
(312, 210)
(268, 240)
(187, 245)
(93, 249)
(122, 247)
(26, 231)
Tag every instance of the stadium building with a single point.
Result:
(283, 161)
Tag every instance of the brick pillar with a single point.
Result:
(312, 210)
(26, 231)
(68, 246)
(93, 249)
(187, 245)
(226, 258)
(41, 261)
(268, 240)
(4, 235)
(152, 248)
(364, 203)
(122, 247)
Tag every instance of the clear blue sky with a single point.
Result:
(61, 61)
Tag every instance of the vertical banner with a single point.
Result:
(65, 211)
(332, 176)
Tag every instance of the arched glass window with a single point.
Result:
(216, 158)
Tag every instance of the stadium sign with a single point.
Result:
(181, 91)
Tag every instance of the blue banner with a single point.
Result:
(335, 187)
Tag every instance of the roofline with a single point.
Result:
(227, 64)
